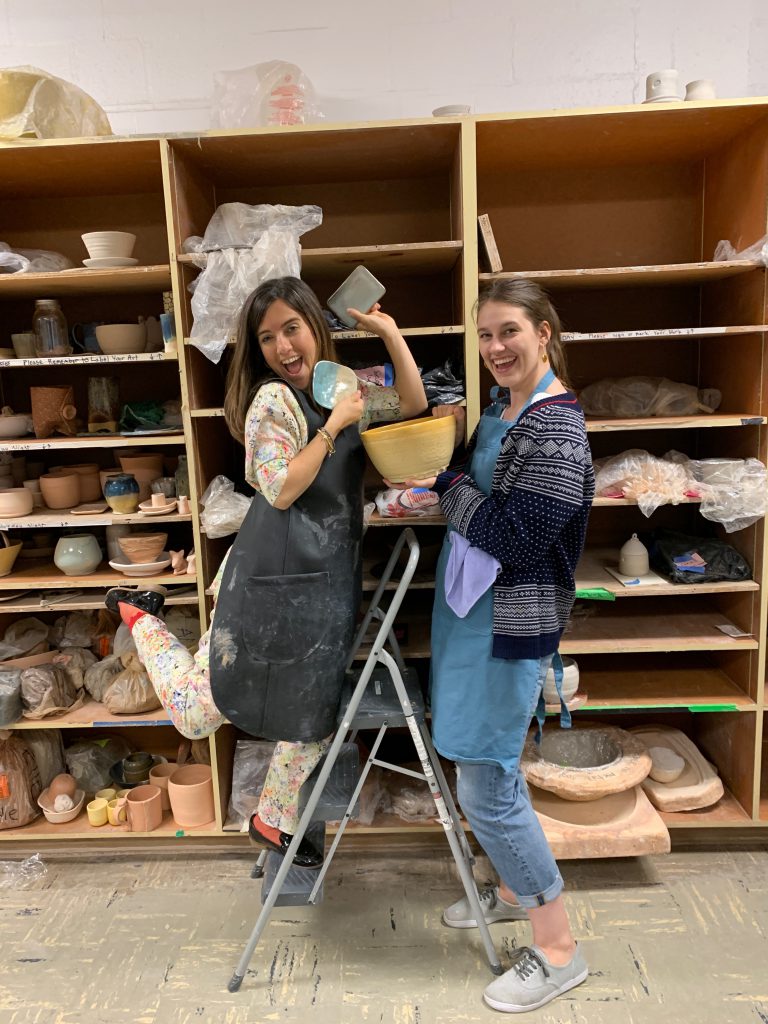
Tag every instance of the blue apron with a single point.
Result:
(481, 705)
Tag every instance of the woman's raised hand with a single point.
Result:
(347, 410)
(378, 323)
(459, 419)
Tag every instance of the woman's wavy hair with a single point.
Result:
(248, 368)
(534, 301)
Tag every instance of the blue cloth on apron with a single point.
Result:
(481, 705)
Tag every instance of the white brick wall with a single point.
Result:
(150, 63)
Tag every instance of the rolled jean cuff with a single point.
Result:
(541, 899)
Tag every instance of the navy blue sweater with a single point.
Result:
(533, 522)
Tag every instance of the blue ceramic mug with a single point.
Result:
(88, 342)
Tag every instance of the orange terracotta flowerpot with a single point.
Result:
(60, 490)
(190, 790)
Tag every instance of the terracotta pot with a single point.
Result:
(142, 547)
(90, 485)
(53, 409)
(60, 490)
(143, 460)
(145, 808)
(159, 776)
(144, 478)
(190, 790)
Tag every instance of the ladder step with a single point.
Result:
(338, 789)
(380, 702)
(299, 882)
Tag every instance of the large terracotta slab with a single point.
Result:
(621, 825)
(699, 784)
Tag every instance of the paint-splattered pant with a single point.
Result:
(182, 684)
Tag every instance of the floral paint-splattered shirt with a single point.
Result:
(276, 430)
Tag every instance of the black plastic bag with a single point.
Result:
(687, 559)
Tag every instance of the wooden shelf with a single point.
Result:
(595, 426)
(378, 520)
(82, 281)
(602, 502)
(591, 573)
(206, 413)
(726, 813)
(69, 600)
(92, 715)
(51, 519)
(665, 334)
(48, 577)
(91, 441)
(41, 829)
(660, 688)
(633, 277)
(407, 332)
(91, 360)
(688, 624)
(405, 257)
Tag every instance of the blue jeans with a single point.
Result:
(497, 806)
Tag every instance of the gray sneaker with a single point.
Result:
(494, 908)
(532, 981)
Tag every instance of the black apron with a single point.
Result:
(285, 614)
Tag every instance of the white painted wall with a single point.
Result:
(150, 63)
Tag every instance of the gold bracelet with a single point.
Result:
(328, 441)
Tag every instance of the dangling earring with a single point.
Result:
(544, 356)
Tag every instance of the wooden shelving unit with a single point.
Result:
(641, 295)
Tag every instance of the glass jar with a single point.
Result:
(50, 327)
(182, 477)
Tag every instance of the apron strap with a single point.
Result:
(541, 707)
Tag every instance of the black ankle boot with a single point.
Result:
(147, 600)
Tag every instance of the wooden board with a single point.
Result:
(69, 601)
(660, 687)
(56, 444)
(676, 422)
(94, 715)
(90, 360)
(49, 518)
(636, 277)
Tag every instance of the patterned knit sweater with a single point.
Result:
(533, 522)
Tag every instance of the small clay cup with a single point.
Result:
(159, 776)
(145, 810)
(190, 790)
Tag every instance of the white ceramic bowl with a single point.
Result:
(109, 243)
(143, 568)
(59, 817)
(570, 682)
(14, 426)
(15, 502)
(121, 339)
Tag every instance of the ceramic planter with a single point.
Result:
(190, 790)
(145, 811)
(77, 555)
(60, 490)
(122, 493)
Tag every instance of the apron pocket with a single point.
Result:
(285, 618)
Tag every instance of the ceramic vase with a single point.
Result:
(77, 555)
(633, 558)
(122, 493)
(190, 790)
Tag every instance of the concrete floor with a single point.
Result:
(153, 939)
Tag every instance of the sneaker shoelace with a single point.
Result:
(487, 897)
(526, 961)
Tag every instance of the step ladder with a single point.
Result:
(384, 694)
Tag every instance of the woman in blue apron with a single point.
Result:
(517, 514)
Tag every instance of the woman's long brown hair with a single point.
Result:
(248, 368)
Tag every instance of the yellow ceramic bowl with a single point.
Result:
(412, 450)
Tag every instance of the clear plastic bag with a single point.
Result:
(10, 696)
(644, 478)
(36, 104)
(22, 874)
(224, 508)
(759, 251)
(633, 397)
(734, 492)
(75, 629)
(47, 690)
(89, 761)
(246, 245)
(75, 662)
(31, 261)
(24, 637)
(249, 770)
(274, 92)
(131, 692)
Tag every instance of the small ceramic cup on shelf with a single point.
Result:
(97, 812)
